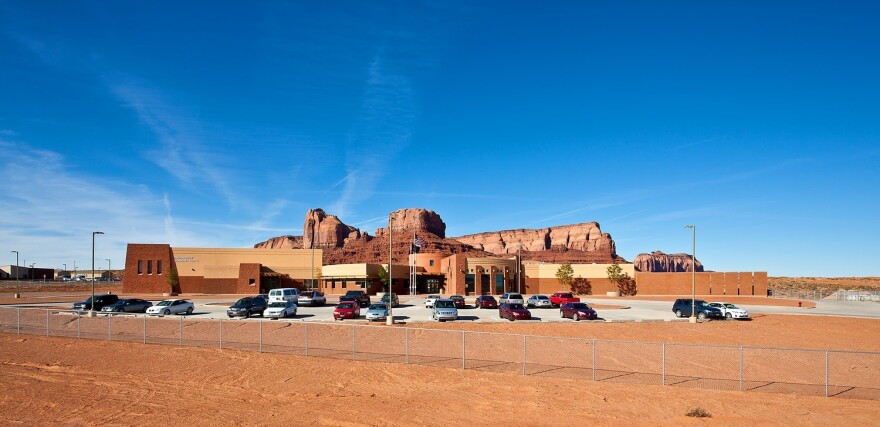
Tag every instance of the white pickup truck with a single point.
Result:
(430, 300)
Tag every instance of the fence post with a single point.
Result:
(261, 335)
(741, 368)
(307, 339)
(406, 343)
(47, 322)
(353, 341)
(109, 327)
(180, 331)
(78, 317)
(145, 328)
(221, 334)
(463, 355)
(524, 355)
(594, 360)
(663, 362)
(826, 373)
(18, 320)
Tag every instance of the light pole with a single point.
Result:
(31, 272)
(65, 267)
(693, 227)
(17, 294)
(389, 320)
(108, 275)
(92, 305)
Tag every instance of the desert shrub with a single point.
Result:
(565, 275)
(698, 412)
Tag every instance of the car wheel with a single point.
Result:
(561, 314)
(247, 314)
(728, 316)
(119, 310)
(510, 318)
(701, 315)
(677, 313)
(577, 317)
(166, 312)
(189, 311)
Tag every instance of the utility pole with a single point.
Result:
(389, 320)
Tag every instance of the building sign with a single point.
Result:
(185, 259)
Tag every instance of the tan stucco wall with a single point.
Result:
(587, 271)
(217, 263)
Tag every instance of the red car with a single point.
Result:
(514, 311)
(458, 300)
(347, 310)
(560, 298)
(485, 301)
(577, 311)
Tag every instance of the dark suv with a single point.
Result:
(682, 308)
(248, 306)
(360, 297)
(100, 302)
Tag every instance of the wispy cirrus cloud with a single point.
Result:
(384, 127)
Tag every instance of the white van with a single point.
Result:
(284, 294)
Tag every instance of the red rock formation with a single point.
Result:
(585, 237)
(415, 220)
(282, 242)
(661, 262)
(326, 231)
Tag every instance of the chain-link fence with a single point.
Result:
(830, 373)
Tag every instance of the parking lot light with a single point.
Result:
(693, 227)
(92, 305)
(17, 294)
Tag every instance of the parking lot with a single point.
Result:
(412, 310)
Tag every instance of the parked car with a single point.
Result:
(539, 301)
(171, 306)
(563, 297)
(682, 308)
(458, 300)
(430, 299)
(347, 310)
(577, 311)
(514, 311)
(378, 311)
(485, 301)
(280, 309)
(248, 306)
(512, 297)
(730, 311)
(312, 298)
(128, 305)
(101, 301)
(284, 294)
(360, 297)
(394, 300)
(444, 309)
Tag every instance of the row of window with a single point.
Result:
(357, 284)
(149, 263)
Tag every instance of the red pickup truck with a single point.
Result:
(560, 298)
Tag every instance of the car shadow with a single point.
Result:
(468, 318)
(301, 316)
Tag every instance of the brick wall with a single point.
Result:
(153, 281)
(708, 283)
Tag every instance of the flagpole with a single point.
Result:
(389, 320)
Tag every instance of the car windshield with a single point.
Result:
(242, 301)
(514, 296)
(378, 307)
(346, 305)
(700, 303)
(445, 304)
(516, 306)
(456, 297)
(580, 306)
(542, 297)
(385, 297)
(166, 302)
(731, 306)
(565, 295)
(278, 304)
(433, 296)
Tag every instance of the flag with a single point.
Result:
(417, 244)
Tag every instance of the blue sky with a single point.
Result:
(220, 124)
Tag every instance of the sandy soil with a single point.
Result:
(76, 382)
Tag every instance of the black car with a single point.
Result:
(247, 307)
(100, 302)
(128, 305)
(361, 297)
(682, 308)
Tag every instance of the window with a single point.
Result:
(344, 284)
(252, 282)
(159, 266)
(149, 266)
(140, 267)
(430, 263)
